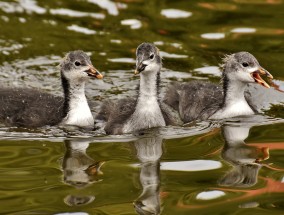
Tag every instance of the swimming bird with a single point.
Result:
(32, 108)
(198, 100)
(144, 111)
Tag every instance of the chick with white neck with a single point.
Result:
(32, 108)
(198, 100)
(147, 113)
(75, 72)
(240, 69)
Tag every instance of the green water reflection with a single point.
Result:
(234, 168)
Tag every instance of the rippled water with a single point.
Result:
(230, 167)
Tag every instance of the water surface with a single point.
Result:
(230, 167)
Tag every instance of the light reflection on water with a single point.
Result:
(172, 170)
(174, 13)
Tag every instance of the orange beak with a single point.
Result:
(258, 79)
(93, 72)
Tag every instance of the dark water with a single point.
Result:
(233, 167)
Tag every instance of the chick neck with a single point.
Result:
(76, 110)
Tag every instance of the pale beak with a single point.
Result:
(255, 75)
(265, 72)
(93, 72)
(139, 68)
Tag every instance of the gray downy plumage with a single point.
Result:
(32, 108)
(199, 100)
(144, 111)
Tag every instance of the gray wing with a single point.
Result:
(116, 114)
(195, 100)
(29, 108)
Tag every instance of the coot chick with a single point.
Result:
(144, 111)
(198, 100)
(32, 108)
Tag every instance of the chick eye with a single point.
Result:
(152, 56)
(77, 63)
(245, 64)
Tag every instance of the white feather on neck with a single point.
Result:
(235, 103)
(79, 113)
(148, 113)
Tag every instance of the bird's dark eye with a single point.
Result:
(77, 63)
(245, 64)
(152, 56)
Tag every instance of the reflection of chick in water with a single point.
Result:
(149, 151)
(244, 158)
(79, 169)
